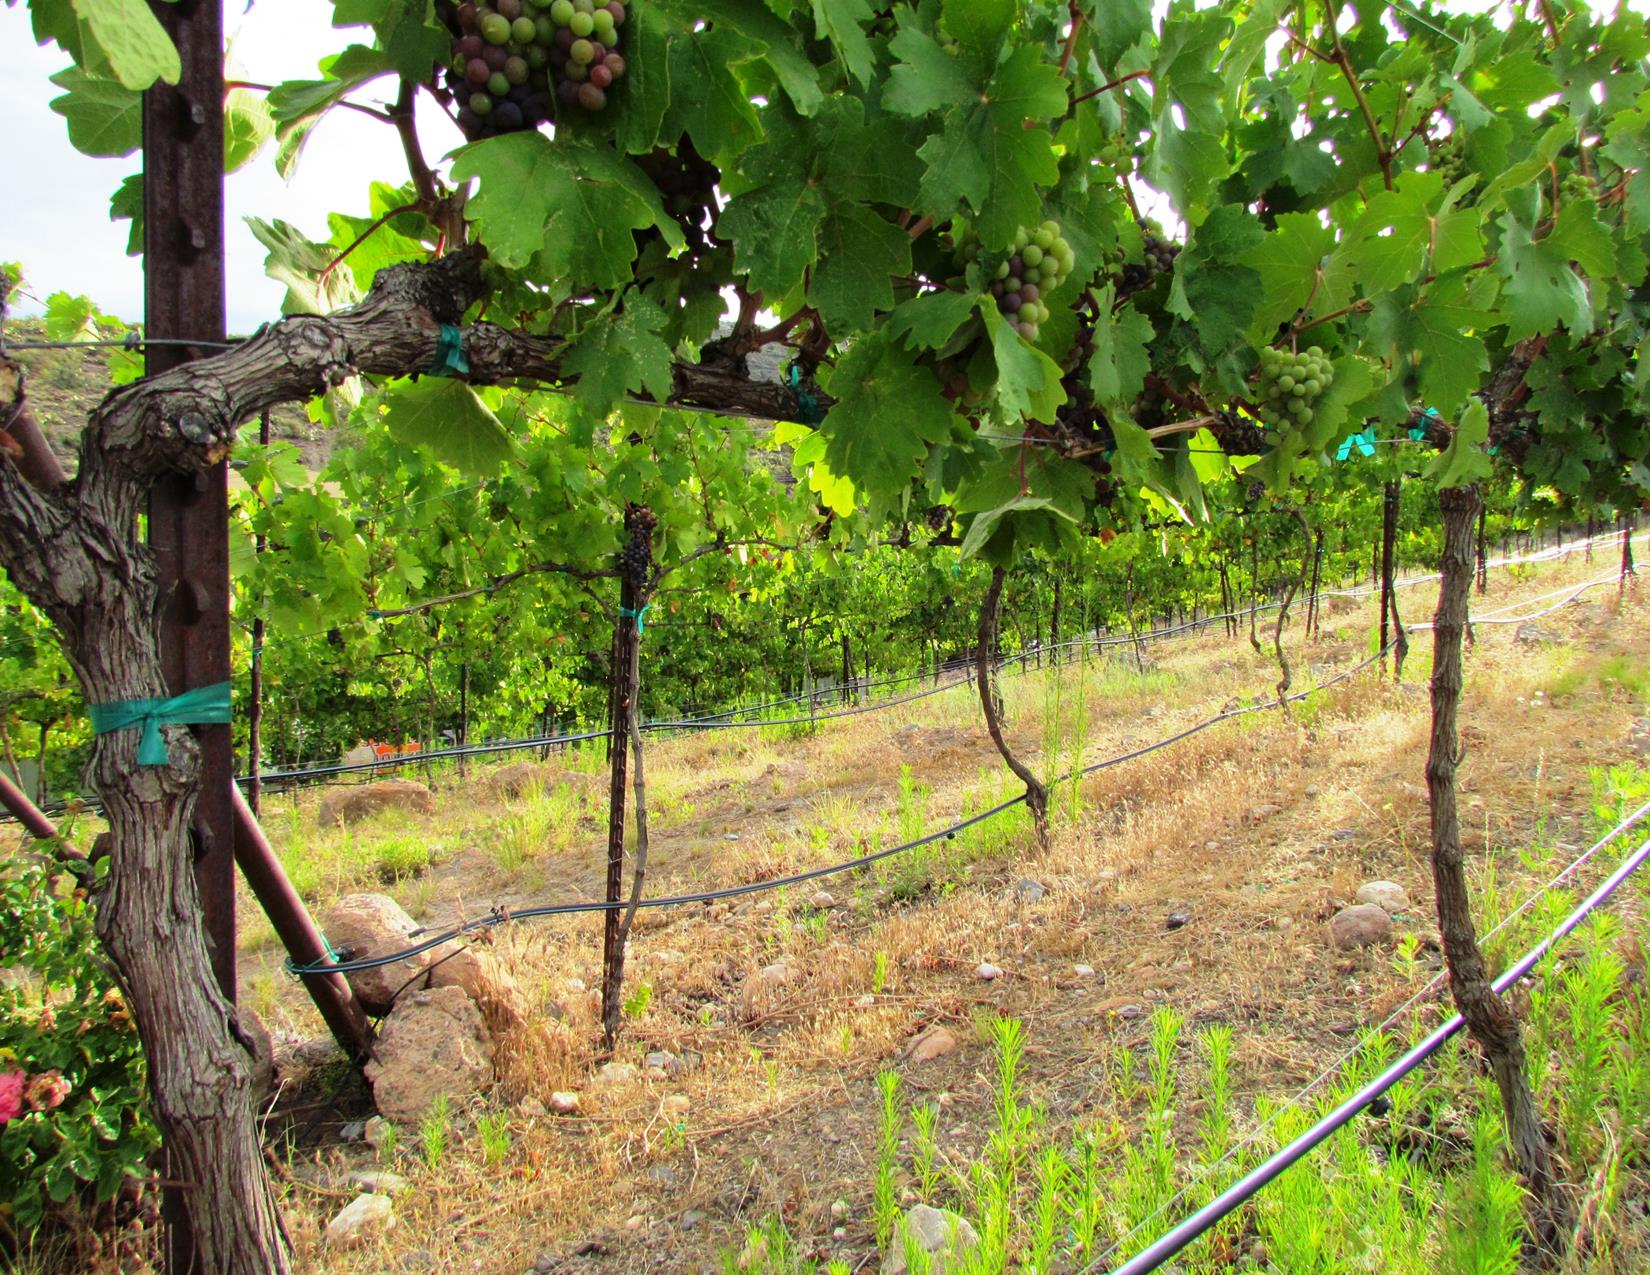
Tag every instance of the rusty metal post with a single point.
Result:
(286, 911)
(183, 300)
(188, 515)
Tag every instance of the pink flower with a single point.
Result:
(47, 1090)
(11, 1095)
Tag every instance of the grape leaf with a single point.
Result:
(448, 417)
(1028, 381)
(136, 47)
(567, 207)
(887, 412)
(247, 125)
(859, 253)
(775, 233)
(619, 353)
(1117, 368)
(1464, 460)
(1288, 260)
(1542, 292)
(1355, 378)
(301, 264)
(930, 320)
(104, 118)
(841, 21)
(127, 202)
(645, 89)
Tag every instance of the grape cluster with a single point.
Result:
(1575, 186)
(687, 184)
(1290, 385)
(1448, 157)
(1038, 262)
(514, 61)
(1159, 254)
(636, 558)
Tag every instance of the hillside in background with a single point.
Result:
(65, 385)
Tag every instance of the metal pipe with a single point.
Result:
(29, 815)
(273, 890)
(1173, 1241)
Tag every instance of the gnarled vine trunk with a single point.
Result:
(1036, 790)
(1488, 1019)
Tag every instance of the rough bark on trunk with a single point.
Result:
(1054, 627)
(1254, 592)
(1483, 551)
(1227, 606)
(1036, 791)
(1313, 618)
(610, 1020)
(1494, 1028)
(622, 699)
(847, 671)
(1628, 522)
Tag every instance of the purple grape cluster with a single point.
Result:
(1037, 263)
(515, 61)
(636, 558)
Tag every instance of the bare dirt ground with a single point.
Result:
(1200, 876)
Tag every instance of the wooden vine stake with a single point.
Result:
(624, 741)
(1494, 1028)
(1036, 790)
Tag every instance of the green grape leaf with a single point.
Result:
(1542, 292)
(134, 45)
(859, 253)
(888, 411)
(302, 264)
(567, 207)
(1288, 261)
(298, 105)
(620, 353)
(127, 202)
(645, 88)
(1117, 368)
(775, 233)
(1028, 381)
(105, 118)
(448, 417)
(1464, 461)
(930, 320)
(247, 124)
(841, 21)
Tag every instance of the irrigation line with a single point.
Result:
(1334, 1068)
(1245, 1188)
(500, 915)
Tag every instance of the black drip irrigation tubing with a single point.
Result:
(716, 721)
(1250, 1184)
(500, 915)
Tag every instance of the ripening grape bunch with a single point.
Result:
(1037, 263)
(1159, 255)
(515, 61)
(1291, 384)
(636, 558)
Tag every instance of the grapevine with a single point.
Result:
(636, 558)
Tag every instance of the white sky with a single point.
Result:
(60, 229)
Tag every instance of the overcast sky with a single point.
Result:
(58, 226)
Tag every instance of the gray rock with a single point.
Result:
(1638, 737)
(362, 1218)
(1360, 925)
(1529, 634)
(366, 925)
(931, 1044)
(1343, 834)
(661, 1064)
(1029, 891)
(353, 1131)
(1177, 920)
(1389, 896)
(376, 1131)
(987, 971)
(692, 1218)
(613, 1073)
(946, 1237)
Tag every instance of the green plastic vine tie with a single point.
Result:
(449, 353)
(293, 968)
(629, 613)
(203, 706)
(808, 411)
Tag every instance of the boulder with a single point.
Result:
(946, 1237)
(1389, 896)
(931, 1044)
(366, 925)
(351, 805)
(433, 1043)
(520, 777)
(1360, 925)
(362, 1218)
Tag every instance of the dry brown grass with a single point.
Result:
(1258, 828)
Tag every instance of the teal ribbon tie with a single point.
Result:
(449, 353)
(639, 616)
(808, 410)
(203, 706)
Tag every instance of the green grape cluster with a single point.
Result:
(1448, 158)
(1575, 186)
(1037, 263)
(1290, 385)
